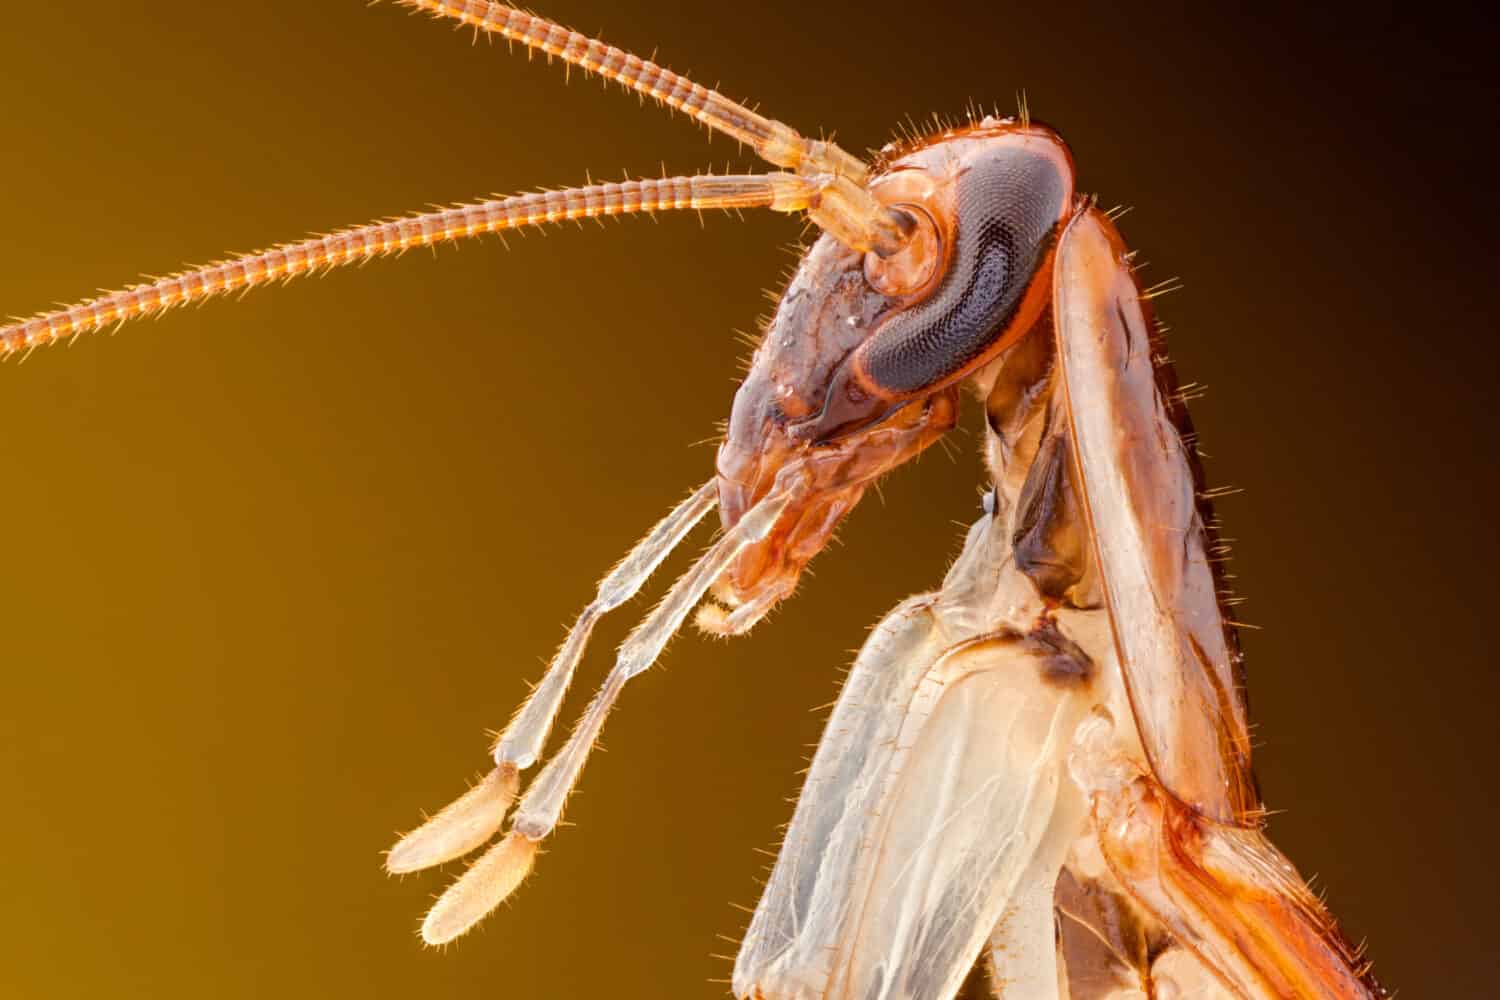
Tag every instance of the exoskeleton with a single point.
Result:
(1044, 764)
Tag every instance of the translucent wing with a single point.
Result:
(929, 803)
(963, 818)
(807, 905)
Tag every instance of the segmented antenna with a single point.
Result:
(828, 183)
(773, 141)
(779, 191)
(847, 210)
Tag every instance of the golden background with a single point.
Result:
(273, 568)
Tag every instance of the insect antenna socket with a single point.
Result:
(845, 207)
(851, 214)
(913, 267)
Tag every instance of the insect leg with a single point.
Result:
(542, 805)
(462, 825)
(499, 870)
(717, 620)
(473, 818)
(522, 742)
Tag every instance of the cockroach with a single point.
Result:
(1043, 765)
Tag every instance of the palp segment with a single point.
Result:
(475, 816)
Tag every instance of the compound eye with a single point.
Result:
(912, 271)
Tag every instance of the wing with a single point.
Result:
(787, 951)
(1141, 498)
(936, 808)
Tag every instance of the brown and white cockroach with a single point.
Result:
(1044, 764)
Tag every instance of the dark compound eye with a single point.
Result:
(1008, 210)
(1008, 206)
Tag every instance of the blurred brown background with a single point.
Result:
(274, 567)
